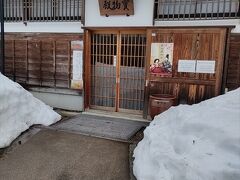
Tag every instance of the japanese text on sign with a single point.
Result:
(116, 7)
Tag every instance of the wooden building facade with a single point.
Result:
(118, 51)
(125, 85)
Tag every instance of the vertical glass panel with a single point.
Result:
(132, 71)
(103, 69)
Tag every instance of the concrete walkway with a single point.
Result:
(52, 155)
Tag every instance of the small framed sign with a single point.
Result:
(116, 7)
(204, 66)
(187, 66)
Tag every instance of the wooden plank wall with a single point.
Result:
(190, 44)
(233, 72)
(40, 59)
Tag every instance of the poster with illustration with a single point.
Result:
(161, 59)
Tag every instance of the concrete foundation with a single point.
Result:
(59, 98)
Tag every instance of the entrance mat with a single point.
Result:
(55, 155)
(114, 128)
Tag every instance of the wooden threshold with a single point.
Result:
(133, 117)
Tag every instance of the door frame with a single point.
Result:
(87, 66)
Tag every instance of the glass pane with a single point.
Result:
(103, 68)
(132, 71)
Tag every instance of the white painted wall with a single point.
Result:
(229, 22)
(50, 27)
(63, 101)
(143, 15)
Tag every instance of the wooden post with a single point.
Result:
(220, 63)
(87, 68)
(147, 89)
(224, 80)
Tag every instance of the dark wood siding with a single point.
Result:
(233, 73)
(195, 44)
(40, 59)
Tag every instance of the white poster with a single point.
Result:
(205, 66)
(77, 65)
(77, 79)
(187, 66)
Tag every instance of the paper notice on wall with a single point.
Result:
(205, 66)
(77, 45)
(114, 61)
(187, 66)
(77, 70)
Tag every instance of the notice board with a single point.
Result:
(116, 7)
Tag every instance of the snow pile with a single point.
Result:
(19, 110)
(198, 142)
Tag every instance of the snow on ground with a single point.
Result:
(198, 142)
(19, 110)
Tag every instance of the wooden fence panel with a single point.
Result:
(233, 73)
(43, 59)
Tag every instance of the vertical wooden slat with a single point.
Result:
(108, 78)
(140, 80)
(14, 68)
(158, 8)
(74, 14)
(192, 94)
(184, 10)
(226, 59)
(233, 73)
(168, 6)
(112, 78)
(118, 70)
(212, 8)
(27, 63)
(40, 53)
(147, 76)
(179, 8)
(47, 7)
(87, 68)
(93, 67)
(12, 9)
(54, 62)
(44, 10)
(224, 8)
(57, 10)
(51, 10)
(77, 10)
(66, 9)
(220, 62)
(200, 11)
(70, 9)
(207, 3)
(218, 7)
(69, 64)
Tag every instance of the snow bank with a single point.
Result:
(19, 110)
(198, 142)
